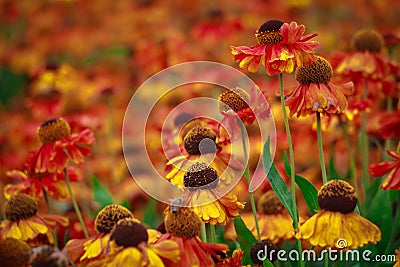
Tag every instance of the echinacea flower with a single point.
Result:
(391, 168)
(25, 224)
(316, 92)
(281, 47)
(367, 58)
(14, 253)
(183, 226)
(337, 221)
(200, 142)
(129, 246)
(84, 251)
(237, 103)
(274, 221)
(32, 183)
(367, 61)
(204, 197)
(265, 246)
(59, 145)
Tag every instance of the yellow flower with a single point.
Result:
(274, 221)
(24, 224)
(84, 251)
(202, 141)
(129, 247)
(211, 205)
(336, 224)
(397, 263)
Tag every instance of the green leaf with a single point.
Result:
(101, 194)
(151, 217)
(278, 185)
(245, 237)
(246, 240)
(310, 193)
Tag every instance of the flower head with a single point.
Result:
(23, 223)
(337, 200)
(203, 195)
(367, 60)
(201, 141)
(58, 144)
(274, 221)
(183, 226)
(14, 253)
(84, 251)
(391, 168)
(264, 246)
(316, 92)
(237, 102)
(281, 48)
(33, 183)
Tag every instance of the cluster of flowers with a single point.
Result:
(346, 89)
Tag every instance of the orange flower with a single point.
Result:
(183, 226)
(391, 168)
(316, 93)
(84, 251)
(32, 183)
(281, 48)
(24, 224)
(58, 144)
(234, 261)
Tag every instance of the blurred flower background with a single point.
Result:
(81, 62)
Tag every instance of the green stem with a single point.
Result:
(246, 174)
(320, 149)
(364, 143)
(291, 161)
(75, 204)
(203, 233)
(210, 230)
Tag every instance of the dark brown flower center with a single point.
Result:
(337, 195)
(320, 71)
(269, 203)
(367, 40)
(20, 207)
(269, 33)
(200, 140)
(235, 99)
(183, 223)
(14, 253)
(129, 233)
(200, 175)
(269, 251)
(53, 130)
(109, 216)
